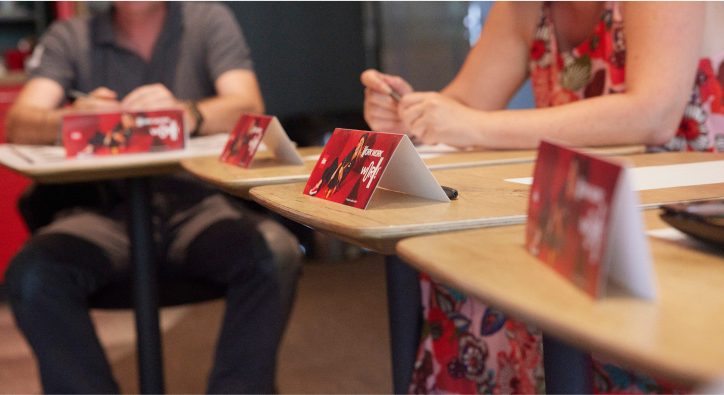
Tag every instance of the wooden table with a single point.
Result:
(47, 164)
(135, 168)
(267, 171)
(402, 281)
(485, 200)
(677, 336)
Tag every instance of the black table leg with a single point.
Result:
(405, 311)
(143, 256)
(567, 369)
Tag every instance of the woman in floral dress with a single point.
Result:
(603, 73)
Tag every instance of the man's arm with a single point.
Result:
(35, 117)
(228, 60)
(237, 93)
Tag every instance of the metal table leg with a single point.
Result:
(567, 369)
(405, 312)
(140, 228)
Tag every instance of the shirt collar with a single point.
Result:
(102, 24)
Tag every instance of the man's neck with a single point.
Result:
(139, 29)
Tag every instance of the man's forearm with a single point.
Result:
(31, 125)
(222, 112)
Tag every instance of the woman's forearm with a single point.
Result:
(607, 120)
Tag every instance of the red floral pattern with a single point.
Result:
(597, 67)
(467, 347)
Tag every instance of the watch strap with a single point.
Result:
(197, 116)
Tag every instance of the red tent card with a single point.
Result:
(355, 163)
(248, 134)
(123, 133)
(583, 222)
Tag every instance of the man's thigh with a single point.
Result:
(106, 232)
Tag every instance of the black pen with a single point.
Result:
(452, 194)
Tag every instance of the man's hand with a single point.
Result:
(101, 99)
(150, 97)
(380, 108)
(156, 97)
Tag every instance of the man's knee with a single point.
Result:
(53, 266)
(28, 277)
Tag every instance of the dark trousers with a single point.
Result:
(52, 278)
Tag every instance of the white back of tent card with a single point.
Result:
(408, 173)
(277, 141)
(627, 257)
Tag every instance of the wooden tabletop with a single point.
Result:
(267, 171)
(485, 200)
(47, 164)
(677, 337)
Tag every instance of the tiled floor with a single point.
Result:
(337, 340)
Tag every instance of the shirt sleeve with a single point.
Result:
(226, 47)
(53, 56)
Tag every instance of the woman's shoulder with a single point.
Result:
(713, 42)
(521, 17)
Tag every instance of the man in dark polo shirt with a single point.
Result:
(144, 56)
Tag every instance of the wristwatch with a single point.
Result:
(197, 116)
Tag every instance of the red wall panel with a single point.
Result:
(13, 232)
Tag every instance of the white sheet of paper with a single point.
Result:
(669, 176)
(627, 257)
(425, 151)
(712, 389)
(668, 234)
(407, 173)
(682, 239)
(433, 151)
(27, 157)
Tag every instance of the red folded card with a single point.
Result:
(355, 163)
(251, 132)
(123, 133)
(584, 223)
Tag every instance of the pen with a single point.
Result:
(394, 94)
(397, 98)
(74, 94)
(20, 154)
(452, 194)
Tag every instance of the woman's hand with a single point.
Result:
(380, 108)
(434, 118)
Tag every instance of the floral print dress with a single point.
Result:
(597, 67)
(467, 347)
